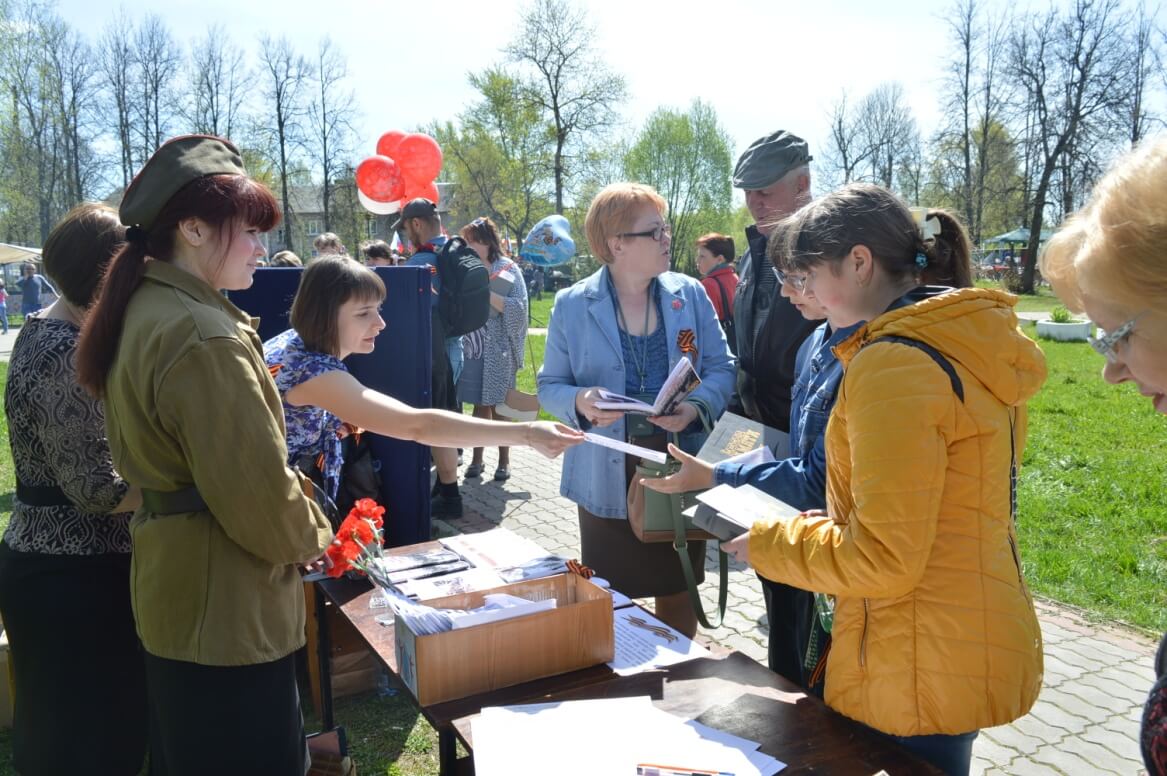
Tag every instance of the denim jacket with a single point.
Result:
(801, 480)
(583, 350)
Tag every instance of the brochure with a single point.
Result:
(681, 382)
(742, 440)
(501, 284)
(728, 512)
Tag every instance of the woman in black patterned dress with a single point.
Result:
(80, 701)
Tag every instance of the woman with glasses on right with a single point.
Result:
(1109, 261)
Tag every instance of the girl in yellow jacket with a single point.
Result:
(934, 631)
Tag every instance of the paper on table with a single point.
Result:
(457, 583)
(521, 740)
(644, 643)
(625, 447)
(497, 548)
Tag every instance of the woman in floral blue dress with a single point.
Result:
(336, 313)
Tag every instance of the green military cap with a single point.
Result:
(768, 159)
(176, 163)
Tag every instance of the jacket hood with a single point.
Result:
(973, 327)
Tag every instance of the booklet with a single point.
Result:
(681, 382)
(501, 284)
(728, 512)
(742, 440)
(413, 560)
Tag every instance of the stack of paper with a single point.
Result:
(609, 736)
(728, 512)
(644, 643)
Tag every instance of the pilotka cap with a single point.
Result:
(176, 163)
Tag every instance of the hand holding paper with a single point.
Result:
(694, 474)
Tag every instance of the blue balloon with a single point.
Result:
(549, 243)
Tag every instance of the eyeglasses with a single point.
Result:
(656, 234)
(1106, 344)
(797, 282)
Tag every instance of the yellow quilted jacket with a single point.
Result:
(934, 628)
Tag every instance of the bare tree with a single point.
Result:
(284, 75)
(1144, 60)
(69, 62)
(115, 60)
(330, 119)
(219, 82)
(846, 152)
(571, 86)
(887, 129)
(1071, 70)
(158, 58)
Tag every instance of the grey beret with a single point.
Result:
(768, 159)
(176, 163)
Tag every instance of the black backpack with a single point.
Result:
(464, 296)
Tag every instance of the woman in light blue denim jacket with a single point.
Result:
(623, 329)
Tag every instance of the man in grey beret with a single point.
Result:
(774, 172)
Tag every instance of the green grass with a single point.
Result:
(1091, 518)
(1040, 302)
(541, 310)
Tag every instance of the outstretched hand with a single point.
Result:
(551, 439)
(585, 405)
(694, 474)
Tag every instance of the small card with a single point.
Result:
(626, 447)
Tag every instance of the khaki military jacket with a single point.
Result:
(189, 401)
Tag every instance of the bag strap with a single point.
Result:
(681, 545)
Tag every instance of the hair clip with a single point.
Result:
(921, 260)
(929, 227)
(478, 221)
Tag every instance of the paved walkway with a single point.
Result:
(1096, 677)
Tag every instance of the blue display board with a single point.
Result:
(399, 366)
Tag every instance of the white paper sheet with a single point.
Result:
(494, 549)
(550, 738)
(643, 643)
(625, 447)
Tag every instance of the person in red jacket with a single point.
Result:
(715, 254)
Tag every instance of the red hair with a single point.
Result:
(224, 202)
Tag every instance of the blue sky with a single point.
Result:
(763, 64)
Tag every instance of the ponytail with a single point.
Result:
(948, 254)
(103, 325)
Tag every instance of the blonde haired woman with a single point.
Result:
(1109, 262)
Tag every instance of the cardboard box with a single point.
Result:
(576, 634)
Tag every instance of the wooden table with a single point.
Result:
(734, 693)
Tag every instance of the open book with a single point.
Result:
(728, 512)
(681, 382)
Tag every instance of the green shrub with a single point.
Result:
(1060, 315)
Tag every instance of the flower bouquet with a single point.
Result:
(357, 547)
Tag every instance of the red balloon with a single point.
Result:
(379, 178)
(419, 157)
(388, 143)
(429, 190)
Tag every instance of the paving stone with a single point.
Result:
(1100, 700)
(1054, 662)
(1052, 714)
(993, 752)
(1101, 757)
(1024, 767)
(1011, 738)
(1124, 745)
(1064, 760)
(1098, 652)
(1124, 687)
